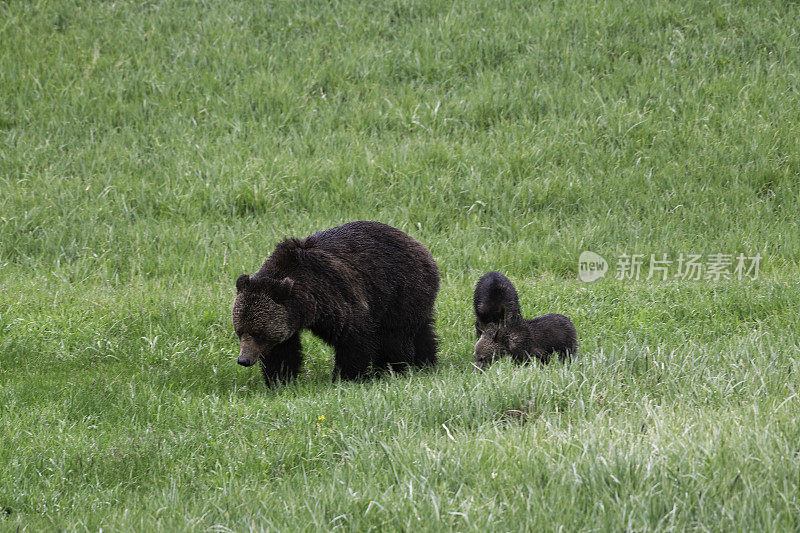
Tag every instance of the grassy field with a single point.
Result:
(150, 152)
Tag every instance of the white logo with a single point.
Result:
(591, 266)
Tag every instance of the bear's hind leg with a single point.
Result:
(351, 361)
(283, 361)
(397, 352)
(568, 353)
(425, 346)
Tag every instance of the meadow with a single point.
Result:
(150, 152)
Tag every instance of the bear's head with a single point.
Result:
(261, 318)
(489, 347)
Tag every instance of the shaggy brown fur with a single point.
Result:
(364, 287)
(495, 302)
(536, 338)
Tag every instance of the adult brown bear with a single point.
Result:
(364, 287)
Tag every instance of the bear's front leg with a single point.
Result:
(283, 362)
(522, 356)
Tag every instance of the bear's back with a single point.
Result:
(360, 267)
(553, 332)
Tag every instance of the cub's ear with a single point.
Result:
(283, 288)
(242, 283)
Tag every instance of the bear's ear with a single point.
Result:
(287, 254)
(242, 283)
(283, 288)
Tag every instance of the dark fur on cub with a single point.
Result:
(495, 302)
(536, 338)
(365, 288)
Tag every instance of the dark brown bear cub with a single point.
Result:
(536, 338)
(365, 288)
(495, 302)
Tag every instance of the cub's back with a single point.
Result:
(554, 332)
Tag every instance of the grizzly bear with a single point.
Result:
(537, 338)
(495, 302)
(365, 288)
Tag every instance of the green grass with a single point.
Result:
(150, 152)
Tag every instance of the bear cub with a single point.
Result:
(495, 302)
(365, 288)
(535, 338)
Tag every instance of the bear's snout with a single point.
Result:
(245, 361)
(249, 351)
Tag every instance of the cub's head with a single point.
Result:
(260, 316)
(489, 347)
